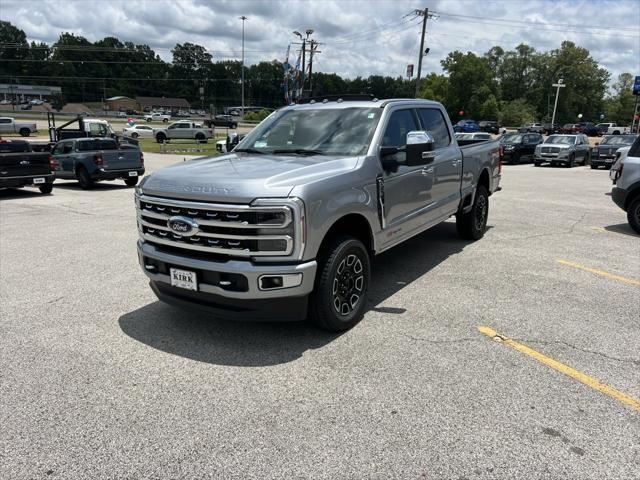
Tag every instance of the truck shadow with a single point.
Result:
(623, 228)
(98, 186)
(198, 336)
(8, 193)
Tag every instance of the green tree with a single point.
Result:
(516, 113)
(470, 83)
(435, 87)
(490, 108)
(619, 106)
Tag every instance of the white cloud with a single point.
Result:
(360, 37)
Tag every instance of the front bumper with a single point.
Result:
(546, 158)
(242, 299)
(26, 180)
(619, 197)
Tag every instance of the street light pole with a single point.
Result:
(558, 86)
(243, 18)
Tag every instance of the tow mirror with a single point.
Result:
(420, 145)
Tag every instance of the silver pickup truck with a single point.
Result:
(284, 226)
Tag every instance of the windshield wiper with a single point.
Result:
(248, 150)
(299, 151)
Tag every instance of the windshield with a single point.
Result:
(324, 131)
(618, 140)
(561, 139)
(509, 138)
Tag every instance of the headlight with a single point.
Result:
(563, 153)
(291, 215)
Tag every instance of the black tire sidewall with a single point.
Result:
(322, 310)
(632, 215)
(131, 182)
(47, 188)
(83, 178)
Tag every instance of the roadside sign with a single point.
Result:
(636, 85)
(410, 70)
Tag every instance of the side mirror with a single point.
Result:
(420, 145)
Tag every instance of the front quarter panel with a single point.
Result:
(330, 199)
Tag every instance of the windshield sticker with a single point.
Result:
(260, 144)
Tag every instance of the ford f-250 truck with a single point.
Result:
(284, 226)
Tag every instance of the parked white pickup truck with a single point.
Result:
(183, 130)
(618, 130)
(9, 125)
(157, 117)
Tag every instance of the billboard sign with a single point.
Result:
(409, 70)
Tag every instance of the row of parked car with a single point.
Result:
(86, 160)
(588, 128)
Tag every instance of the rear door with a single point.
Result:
(446, 170)
(63, 153)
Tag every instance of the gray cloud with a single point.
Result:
(360, 37)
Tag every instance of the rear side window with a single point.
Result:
(97, 144)
(433, 122)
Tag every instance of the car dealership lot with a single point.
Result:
(100, 380)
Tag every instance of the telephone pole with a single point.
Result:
(425, 15)
(558, 86)
(243, 18)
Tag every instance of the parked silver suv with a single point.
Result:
(626, 185)
(564, 150)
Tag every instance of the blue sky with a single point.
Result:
(359, 37)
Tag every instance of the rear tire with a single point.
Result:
(131, 182)
(515, 159)
(340, 295)
(593, 167)
(161, 138)
(200, 138)
(473, 224)
(633, 215)
(165, 120)
(46, 188)
(25, 132)
(536, 164)
(84, 179)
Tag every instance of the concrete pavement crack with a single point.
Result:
(566, 232)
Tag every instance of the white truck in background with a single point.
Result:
(9, 125)
(183, 130)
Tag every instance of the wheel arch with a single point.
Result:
(352, 224)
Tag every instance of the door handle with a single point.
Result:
(455, 163)
(427, 171)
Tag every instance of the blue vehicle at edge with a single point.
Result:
(466, 126)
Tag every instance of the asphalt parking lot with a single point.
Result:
(99, 380)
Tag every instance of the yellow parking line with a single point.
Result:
(626, 280)
(562, 368)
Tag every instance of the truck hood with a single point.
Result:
(241, 178)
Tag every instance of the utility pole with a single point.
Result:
(425, 15)
(313, 49)
(558, 86)
(243, 18)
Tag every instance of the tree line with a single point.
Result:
(511, 86)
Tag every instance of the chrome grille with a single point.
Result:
(550, 149)
(234, 230)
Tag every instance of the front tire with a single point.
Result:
(134, 135)
(473, 224)
(572, 161)
(46, 188)
(633, 215)
(339, 298)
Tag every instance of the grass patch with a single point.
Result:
(179, 147)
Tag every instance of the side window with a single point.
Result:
(434, 123)
(68, 148)
(5, 120)
(400, 123)
(57, 150)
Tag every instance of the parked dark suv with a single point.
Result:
(520, 147)
(489, 126)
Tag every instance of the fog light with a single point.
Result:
(273, 282)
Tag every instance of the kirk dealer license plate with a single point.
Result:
(183, 279)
